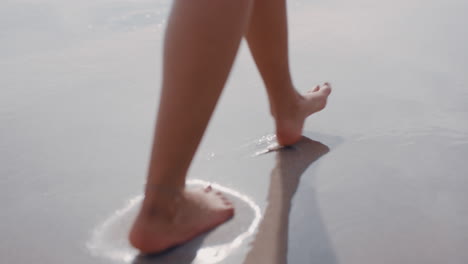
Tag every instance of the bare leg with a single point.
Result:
(267, 37)
(201, 42)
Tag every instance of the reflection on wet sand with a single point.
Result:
(271, 242)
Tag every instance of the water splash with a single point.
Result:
(109, 239)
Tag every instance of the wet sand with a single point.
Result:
(380, 176)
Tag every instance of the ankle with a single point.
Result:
(286, 106)
(161, 202)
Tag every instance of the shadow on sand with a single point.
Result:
(304, 232)
(271, 241)
(184, 254)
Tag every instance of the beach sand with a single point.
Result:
(379, 177)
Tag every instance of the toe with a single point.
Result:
(314, 90)
(224, 199)
(208, 188)
(326, 88)
(229, 207)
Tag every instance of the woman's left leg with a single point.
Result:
(201, 42)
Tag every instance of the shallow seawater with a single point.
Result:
(380, 177)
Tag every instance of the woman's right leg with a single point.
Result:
(202, 39)
(267, 36)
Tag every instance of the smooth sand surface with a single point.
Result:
(381, 175)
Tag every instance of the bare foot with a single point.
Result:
(187, 215)
(290, 118)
